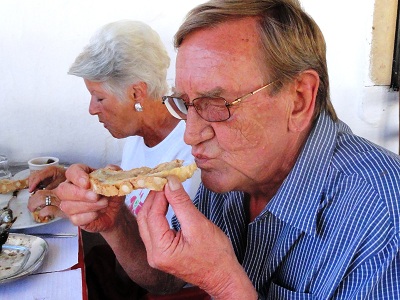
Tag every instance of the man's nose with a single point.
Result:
(197, 129)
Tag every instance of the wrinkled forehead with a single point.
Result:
(231, 49)
(198, 57)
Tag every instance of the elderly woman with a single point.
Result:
(124, 68)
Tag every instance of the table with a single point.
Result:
(62, 274)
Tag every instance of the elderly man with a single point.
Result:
(293, 205)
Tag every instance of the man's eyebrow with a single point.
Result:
(215, 92)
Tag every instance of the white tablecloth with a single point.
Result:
(54, 279)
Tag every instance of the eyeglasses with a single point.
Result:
(211, 109)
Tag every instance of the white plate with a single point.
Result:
(12, 260)
(37, 247)
(22, 174)
(19, 206)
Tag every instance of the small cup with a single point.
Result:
(40, 163)
(4, 172)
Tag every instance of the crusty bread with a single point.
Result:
(8, 185)
(109, 182)
(39, 219)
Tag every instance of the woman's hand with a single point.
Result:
(85, 208)
(37, 202)
(48, 178)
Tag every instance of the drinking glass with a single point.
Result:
(4, 172)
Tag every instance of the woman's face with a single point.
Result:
(115, 114)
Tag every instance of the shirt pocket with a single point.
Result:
(277, 292)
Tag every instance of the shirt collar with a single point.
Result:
(298, 199)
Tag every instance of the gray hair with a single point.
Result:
(290, 40)
(123, 53)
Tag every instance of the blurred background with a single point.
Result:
(44, 111)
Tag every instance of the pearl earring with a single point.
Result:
(138, 107)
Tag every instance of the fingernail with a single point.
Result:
(82, 182)
(102, 203)
(91, 195)
(173, 183)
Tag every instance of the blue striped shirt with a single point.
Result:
(332, 229)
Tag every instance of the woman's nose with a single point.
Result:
(93, 107)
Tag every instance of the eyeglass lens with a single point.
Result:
(176, 107)
(210, 109)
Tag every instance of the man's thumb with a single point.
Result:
(178, 198)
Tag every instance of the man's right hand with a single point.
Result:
(200, 253)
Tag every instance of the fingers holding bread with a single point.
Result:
(110, 182)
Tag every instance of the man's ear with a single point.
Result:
(302, 107)
(138, 91)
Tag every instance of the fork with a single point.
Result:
(6, 214)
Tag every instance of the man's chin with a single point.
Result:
(214, 182)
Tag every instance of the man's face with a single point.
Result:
(248, 152)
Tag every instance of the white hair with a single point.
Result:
(123, 53)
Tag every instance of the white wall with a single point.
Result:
(45, 111)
